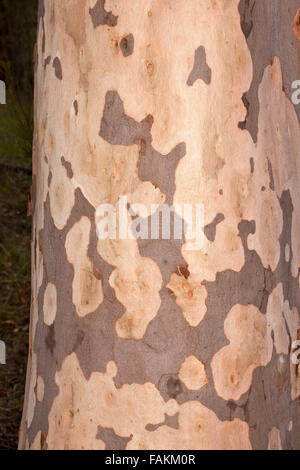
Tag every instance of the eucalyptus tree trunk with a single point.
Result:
(147, 343)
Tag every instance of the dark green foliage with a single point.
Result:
(17, 38)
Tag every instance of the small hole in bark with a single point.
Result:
(174, 387)
(75, 104)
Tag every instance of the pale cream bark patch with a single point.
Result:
(50, 304)
(250, 347)
(31, 391)
(83, 405)
(190, 297)
(62, 197)
(199, 429)
(192, 373)
(40, 389)
(148, 195)
(137, 282)
(87, 288)
(276, 321)
(137, 287)
(287, 253)
(274, 439)
(269, 224)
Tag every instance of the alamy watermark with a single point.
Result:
(153, 221)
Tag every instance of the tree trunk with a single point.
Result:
(147, 343)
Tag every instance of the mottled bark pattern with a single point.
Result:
(142, 344)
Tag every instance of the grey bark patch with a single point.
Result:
(268, 31)
(41, 14)
(41, 9)
(170, 421)
(119, 129)
(57, 68)
(47, 61)
(160, 169)
(243, 124)
(100, 16)
(68, 167)
(111, 439)
(246, 11)
(79, 339)
(200, 70)
(127, 45)
(271, 184)
(210, 229)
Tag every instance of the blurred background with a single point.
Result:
(18, 20)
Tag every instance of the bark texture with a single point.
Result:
(142, 344)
